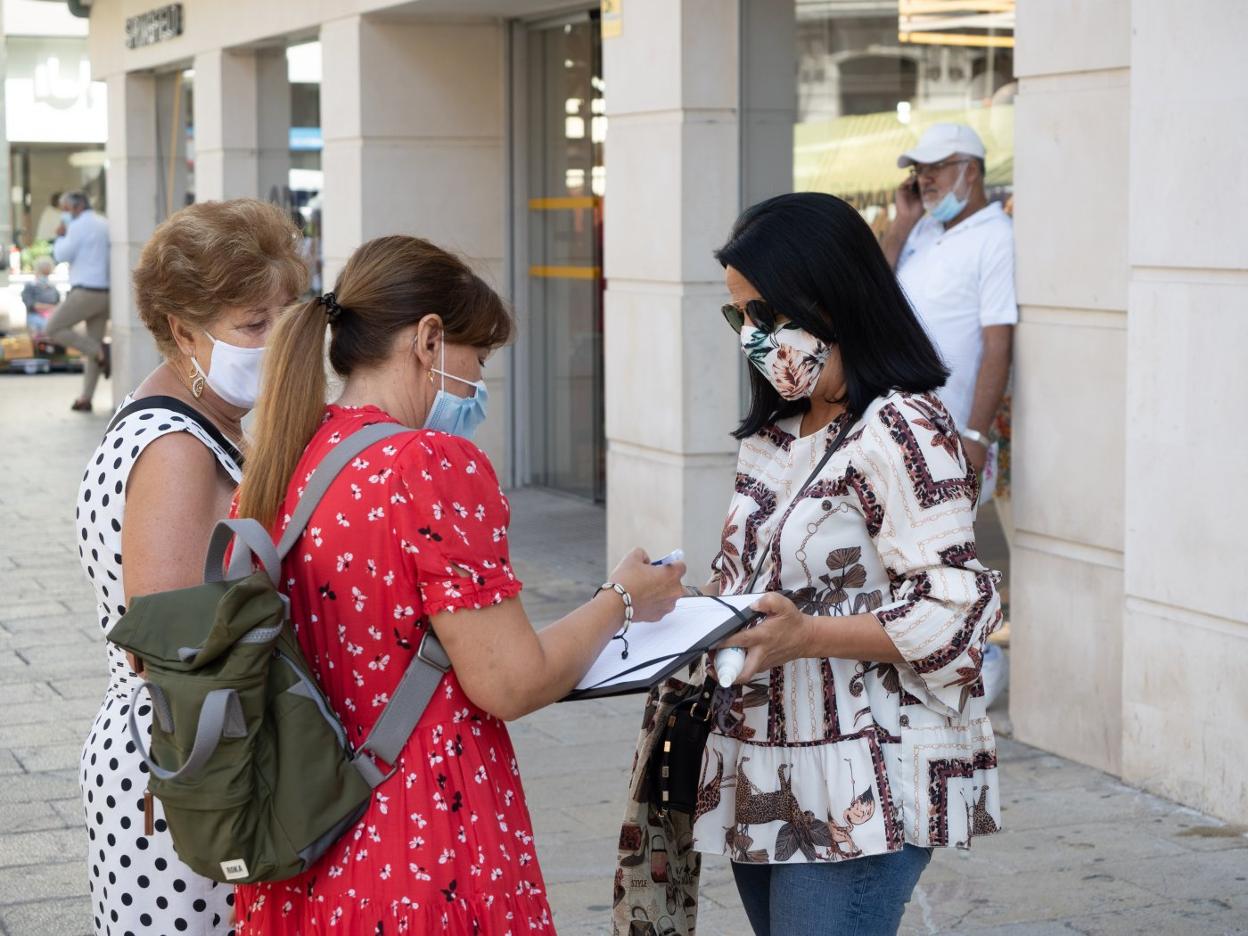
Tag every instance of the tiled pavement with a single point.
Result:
(1083, 853)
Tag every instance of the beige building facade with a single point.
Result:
(588, 160)
(1130, 612)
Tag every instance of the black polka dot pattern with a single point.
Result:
(137, 883)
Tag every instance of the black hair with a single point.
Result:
(815, 260)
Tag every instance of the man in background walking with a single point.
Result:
(82, 241)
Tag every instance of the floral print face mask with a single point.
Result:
(790, 358)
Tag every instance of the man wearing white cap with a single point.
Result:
(954, 257)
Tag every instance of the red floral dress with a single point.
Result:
(446, 845)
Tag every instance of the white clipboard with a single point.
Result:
(656, 649)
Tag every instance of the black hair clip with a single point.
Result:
(332, 309)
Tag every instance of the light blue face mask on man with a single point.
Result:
(950, 206)
(456, 415)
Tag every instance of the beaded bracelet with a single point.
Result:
(628, 612)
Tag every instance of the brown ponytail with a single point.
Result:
(388, 284)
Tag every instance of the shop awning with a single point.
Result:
(856, 157)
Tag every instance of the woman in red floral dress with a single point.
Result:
(412, 534)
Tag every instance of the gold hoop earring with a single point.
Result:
(197, 384)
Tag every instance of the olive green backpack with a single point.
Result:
(255, 773)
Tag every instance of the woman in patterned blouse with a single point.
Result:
(855, 739)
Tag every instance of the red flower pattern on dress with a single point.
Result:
(415, 527)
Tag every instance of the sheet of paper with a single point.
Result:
(656, 643)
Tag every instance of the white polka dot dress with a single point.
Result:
(138, 885)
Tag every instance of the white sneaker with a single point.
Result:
(995, 672)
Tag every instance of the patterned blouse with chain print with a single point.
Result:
(831, 759)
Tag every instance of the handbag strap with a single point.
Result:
(194, 415)
(827, 455)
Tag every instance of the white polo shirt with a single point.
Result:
(960, 281)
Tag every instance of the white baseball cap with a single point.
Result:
(940, 141)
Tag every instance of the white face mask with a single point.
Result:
(234, 373)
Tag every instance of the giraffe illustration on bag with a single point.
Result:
(984, 823)
(709, 794)
(801, 830)
(754, 807)
(978, 820)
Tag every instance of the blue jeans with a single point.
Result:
(859, 897)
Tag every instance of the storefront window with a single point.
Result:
(872, 75)
(56, 122)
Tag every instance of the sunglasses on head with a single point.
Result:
(759, 313)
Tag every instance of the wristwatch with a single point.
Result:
(973, 435)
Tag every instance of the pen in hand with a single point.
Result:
(676, 555)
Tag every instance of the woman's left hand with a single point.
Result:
(784, 634)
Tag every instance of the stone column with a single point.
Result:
(18, 315)
(1185, 633)
(1066, 598)
(768, 98)
(673, 188)
(414, 131)
(133, 209)
(272, 124)
(225, 102)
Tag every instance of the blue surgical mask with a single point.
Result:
(66, 217)
(453, 414)
(950, 206)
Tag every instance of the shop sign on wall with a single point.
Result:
(154, 26)
(611, 18)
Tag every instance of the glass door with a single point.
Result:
(566, 183)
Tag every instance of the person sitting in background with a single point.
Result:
(40, 297)
(956, 265)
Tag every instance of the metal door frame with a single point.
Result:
(520, 374)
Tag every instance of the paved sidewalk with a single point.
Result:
(1083, 853)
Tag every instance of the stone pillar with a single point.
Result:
(272, 125)
(171, 117)
(768, 98)
(225, 102)
(1185, 631)
(1066, 582)
(414, 129)
(18, 313)
(673, 189)
(133, 211)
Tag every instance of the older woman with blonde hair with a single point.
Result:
(209, 286)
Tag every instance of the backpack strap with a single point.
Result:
(220, 716)
(342, 455)
(254, 544)
(398, 719)
(256, 539)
